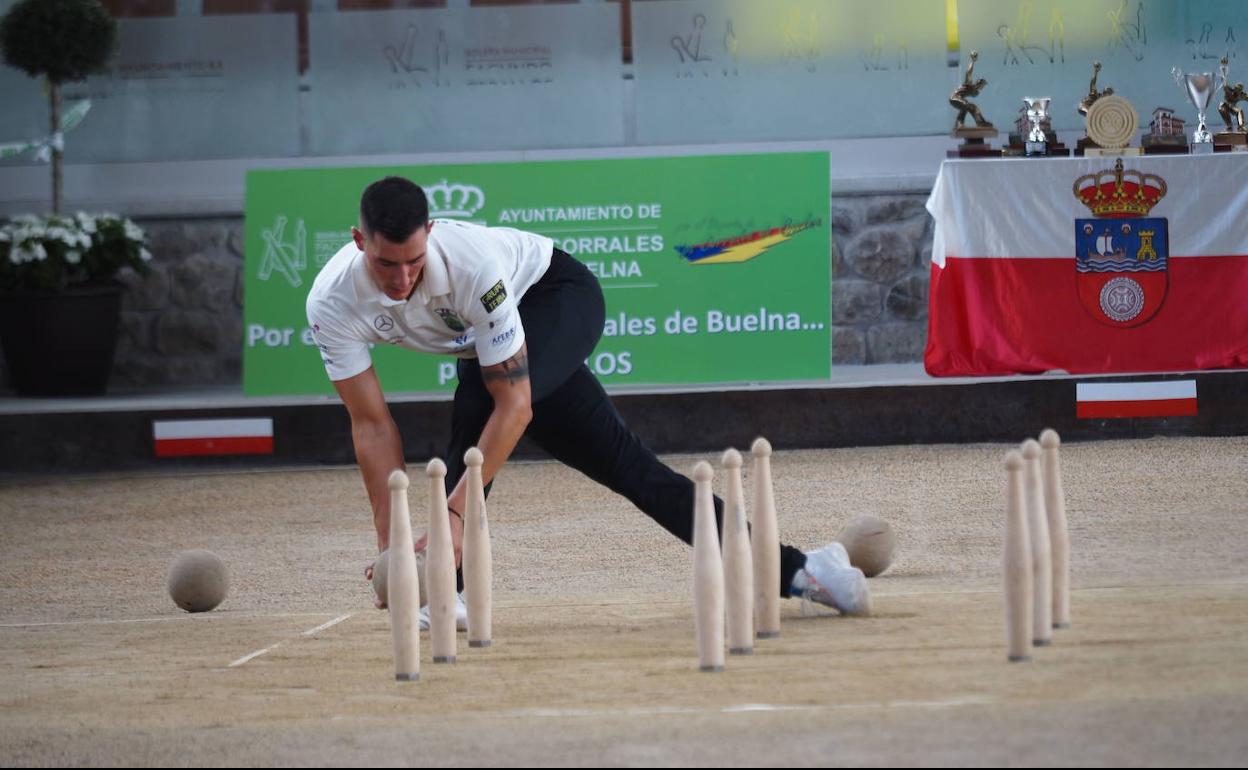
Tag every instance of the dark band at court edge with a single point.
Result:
(479, 643)
(407, 677)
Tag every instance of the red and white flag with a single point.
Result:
(1089, 265)
(187, 438)
(1173, 398)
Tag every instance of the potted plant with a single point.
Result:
(61, 41)
(60, 303)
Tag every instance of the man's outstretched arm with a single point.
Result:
(378, 448)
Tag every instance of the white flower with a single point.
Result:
(40, 252)
(86, 222)
(73, 257)
(64, 235)
(84, 240)
(21, 255)
(145, 255)
(134, 232)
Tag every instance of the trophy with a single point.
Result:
(1111, 123)
(1199, 87)
(1037, 110)
(1166, 135)
(973, 145)
(1235, 137)
(1033, 135)
(1041, 140)
(1086, 103)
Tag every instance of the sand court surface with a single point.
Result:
(594, 660)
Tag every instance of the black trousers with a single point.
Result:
(573, 418)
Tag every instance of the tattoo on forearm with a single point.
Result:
(512, 370)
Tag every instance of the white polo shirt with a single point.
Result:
(465, 305)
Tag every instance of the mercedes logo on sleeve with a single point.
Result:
(383, 323)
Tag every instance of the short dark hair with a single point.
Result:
(393, 208)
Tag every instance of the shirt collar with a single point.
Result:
(435, 280)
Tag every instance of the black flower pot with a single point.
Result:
(60, 344)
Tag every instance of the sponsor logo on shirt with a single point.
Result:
(383, 323)
(502, 339)
(449, 318)
(494, 297)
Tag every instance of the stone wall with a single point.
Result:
(182, 324)
(881, 247)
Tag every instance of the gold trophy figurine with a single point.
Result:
(1086, 103)
(1093, 94)
(973, 145)
(1235, 137)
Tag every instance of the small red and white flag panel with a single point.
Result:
(187, 438)
(1168, 398)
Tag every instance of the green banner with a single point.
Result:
(715, 269)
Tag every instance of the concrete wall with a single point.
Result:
(182, 324)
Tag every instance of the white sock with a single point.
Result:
(801, 583)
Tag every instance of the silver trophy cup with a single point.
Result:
(1200, 88)
(1037, 113)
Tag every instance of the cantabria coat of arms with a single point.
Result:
(1121, 252)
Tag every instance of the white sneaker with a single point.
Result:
(829, 579)
(461, 614)
(835, 552)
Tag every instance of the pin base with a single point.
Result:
(767, 635)
(1060, 626)
(711, 669)
(480, 643)
(1020, 658)
(1042, 642)
(407, 677)
(741, 651)
(443, 658)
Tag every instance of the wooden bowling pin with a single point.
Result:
(1041, 550)
(478, 561)
(402, 590)
(1016, 564)
(1059, 536)
(738, 562)
(440, 568)
(766, 546)
(708, 574)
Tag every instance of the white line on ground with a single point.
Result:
(330, 624)
(745, 708)
(257, 653)
(310, 632)
(198, 617)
